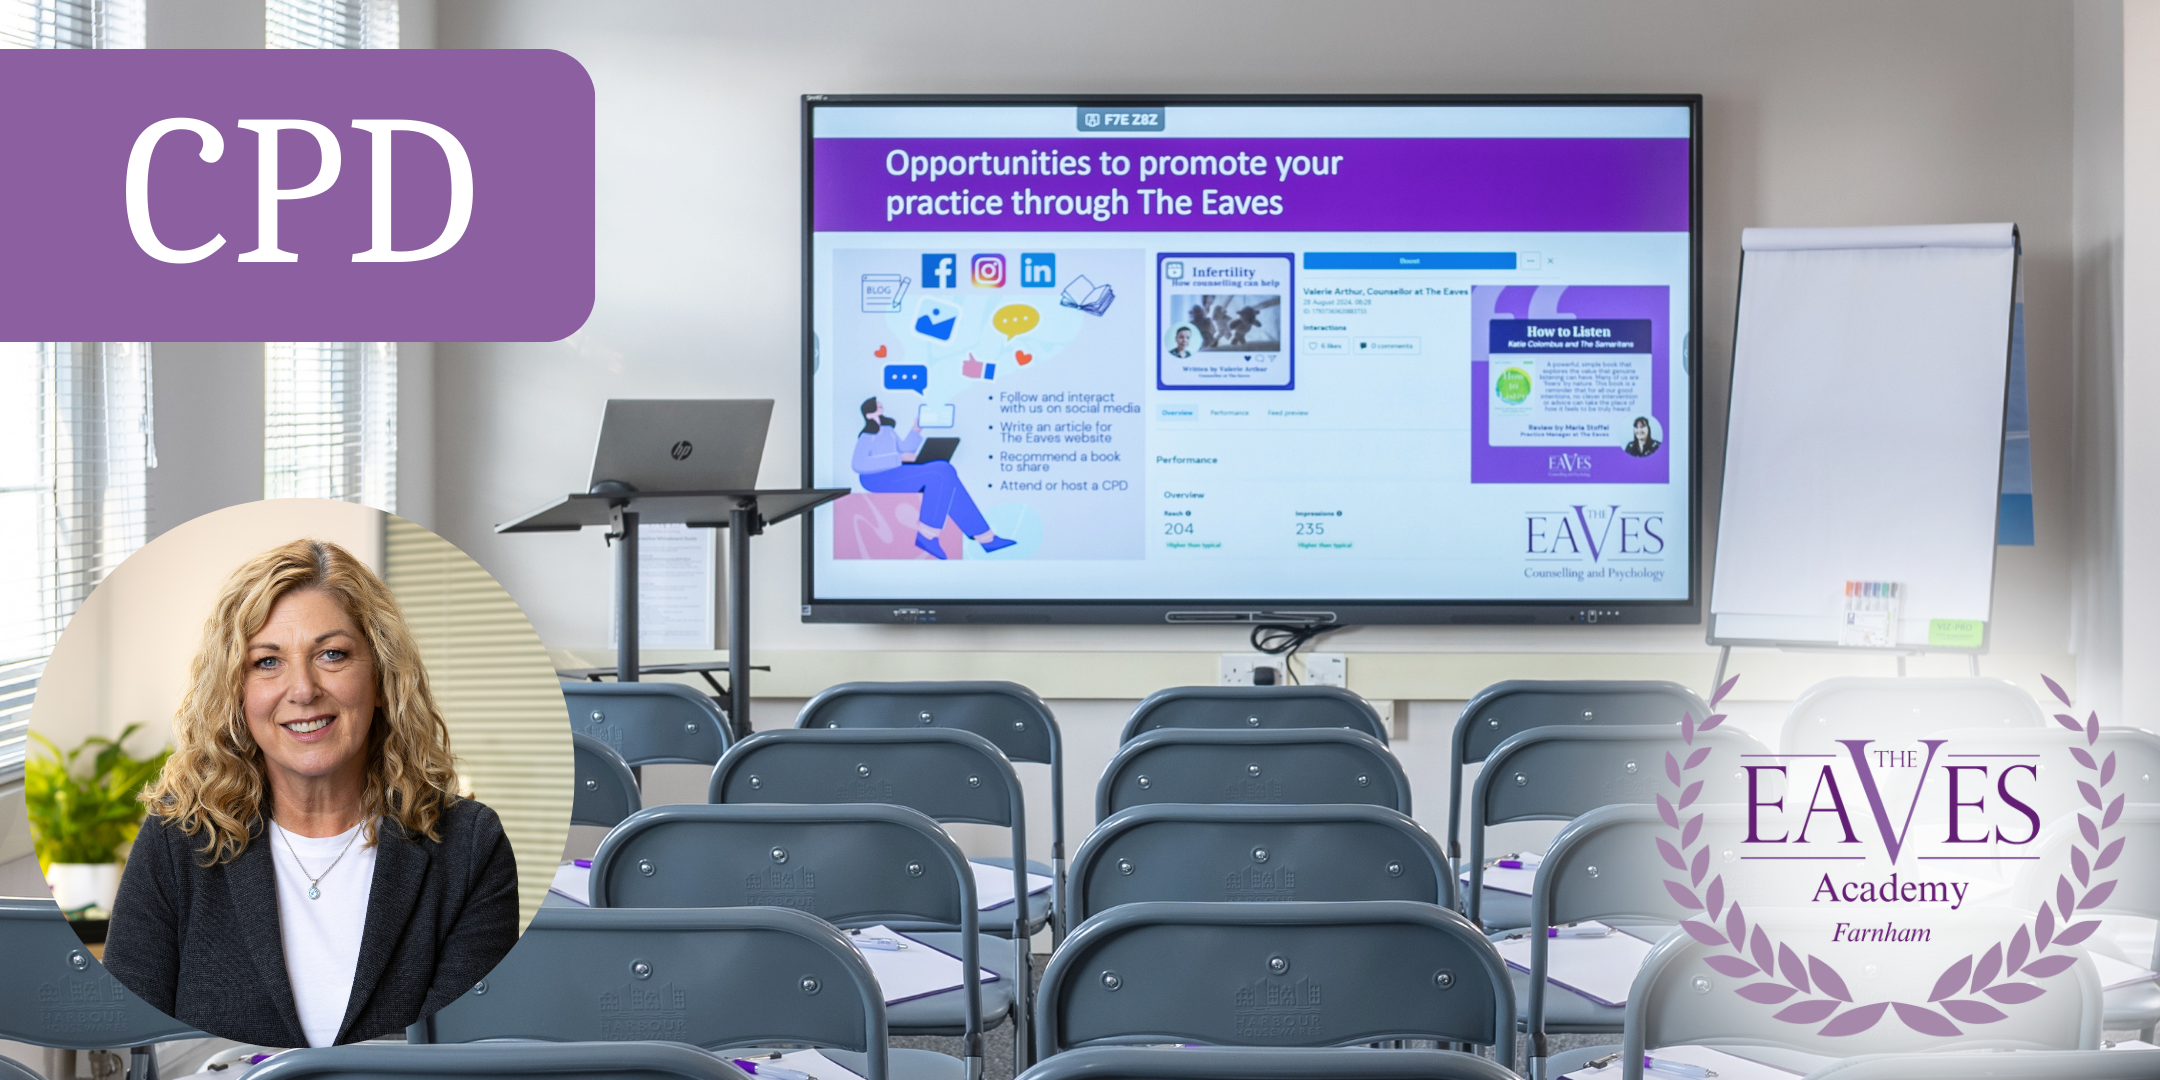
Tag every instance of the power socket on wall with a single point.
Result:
(1326, 669)
(1318, 669)
(1236, 669)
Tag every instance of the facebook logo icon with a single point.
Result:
(938, 271)
(1038, 270)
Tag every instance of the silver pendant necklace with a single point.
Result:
(314, 892)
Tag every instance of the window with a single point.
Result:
(74, 500)
(330, 421)
(331, 24)
(75, 433)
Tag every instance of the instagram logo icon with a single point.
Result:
(987, 271)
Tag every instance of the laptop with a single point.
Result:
(937, 448)
(682, 445)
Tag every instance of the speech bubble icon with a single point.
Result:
(1013, 320)
(906, 376)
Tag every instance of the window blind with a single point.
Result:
(71, 24)
(330, 421)
(331, 24)
(88, 405)
(498, 692)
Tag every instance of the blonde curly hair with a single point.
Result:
(215, 785)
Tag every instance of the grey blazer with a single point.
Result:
(202, 943)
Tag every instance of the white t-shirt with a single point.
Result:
(322, 936)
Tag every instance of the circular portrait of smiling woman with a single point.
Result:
(357, 764)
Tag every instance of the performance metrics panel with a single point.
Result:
(1406, 361)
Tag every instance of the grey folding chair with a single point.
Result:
(1253, 708)
(1254, 975)
(853, 865)
(1191, 851)
(2053, 1065)
(1008, 714)
(566, 1061)
(1900, 711)
(1504, 709)
(606, 792)
(1560, 773)
(949, 775)
(649, 723)
(716, 978)
(54, 993)
(1268, 1063)
(1679, 999)
(1299, 765)
(2136, 893)
(1597, 868)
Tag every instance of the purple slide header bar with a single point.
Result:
(1246, 185)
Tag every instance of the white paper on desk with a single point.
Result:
(916, 971)
(817, 1065)
(2115, 974)
(573, 882)
(1726, 1066)
(2130, 1044)
(1599, 968)
(1509, 879)
(994, 888)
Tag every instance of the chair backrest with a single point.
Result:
(851, 865)
(606, 792)
(1505, 709)
(649, 723)
(54, 993)
(1008, 714)
(1190, 851)
(1900, 710)
(711, 977)
(11, 1069)
(1254, 975)
(561, 1061)
(947, 774)
(1678, 997)
(1270, 1063)
(1560, 773)
(1296, 765)
(2056, 1065)
(1254, 707)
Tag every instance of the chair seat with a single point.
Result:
(2136, 1005)
(998, 920)
(1566, 1012)
(1797, 1062)
(946, 1013)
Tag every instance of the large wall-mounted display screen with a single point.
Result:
(1251, 359)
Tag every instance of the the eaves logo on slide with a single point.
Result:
(249, 195)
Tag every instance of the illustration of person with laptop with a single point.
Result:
(888, 463)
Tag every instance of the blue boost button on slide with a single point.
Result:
(1409, 260)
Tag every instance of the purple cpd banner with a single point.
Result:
(375, 195)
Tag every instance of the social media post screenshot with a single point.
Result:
(1223, 322)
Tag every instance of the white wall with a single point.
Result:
(2140, 378)
(1817, 114)
(2096, 369)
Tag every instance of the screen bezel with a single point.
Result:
(1260, 610)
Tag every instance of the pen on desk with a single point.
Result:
(772, 1072)
(880, 943)
(1578, 931)
(583, 864)
(1669, 1068)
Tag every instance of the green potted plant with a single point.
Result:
(83, 820)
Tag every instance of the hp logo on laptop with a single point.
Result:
(680, 450)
